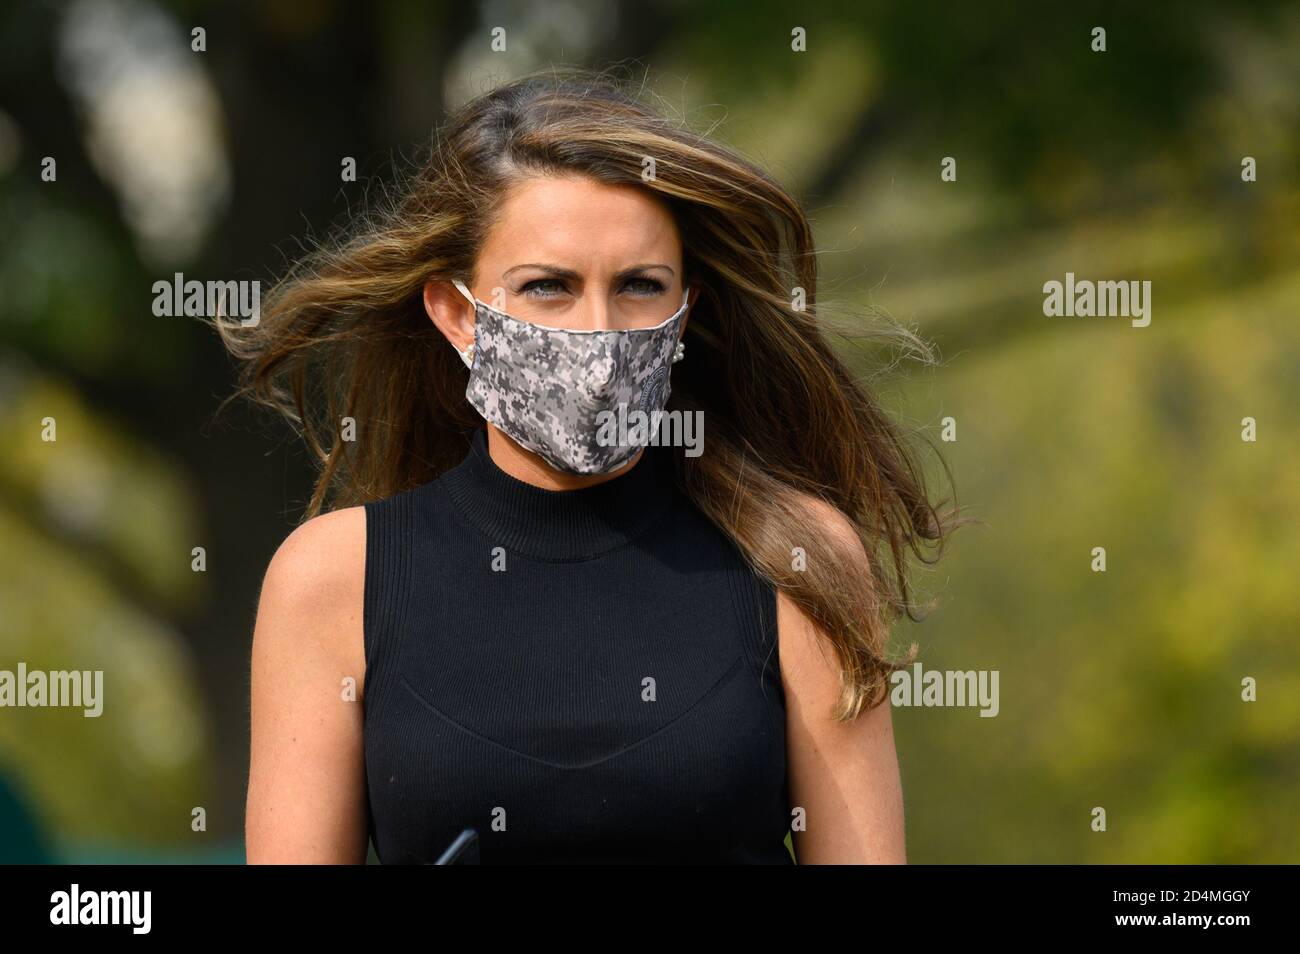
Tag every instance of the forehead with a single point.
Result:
(577, 222)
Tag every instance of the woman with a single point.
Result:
(580, 645)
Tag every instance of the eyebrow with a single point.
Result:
(559, 272)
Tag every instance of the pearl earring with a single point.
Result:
(468, 355)
(679, 352)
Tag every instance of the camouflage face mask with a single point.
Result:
(546, 387)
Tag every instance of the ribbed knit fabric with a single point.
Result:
(582, 676)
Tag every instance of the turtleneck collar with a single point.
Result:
(560, 525)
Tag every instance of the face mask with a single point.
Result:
(546, 387)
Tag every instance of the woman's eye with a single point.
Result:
(543, 288)
(645, 286)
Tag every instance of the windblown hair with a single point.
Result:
(801, 468)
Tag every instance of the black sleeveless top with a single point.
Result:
(581, 676)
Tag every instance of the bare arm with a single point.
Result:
(307, 800)
(844, 775)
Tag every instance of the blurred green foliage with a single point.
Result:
(1120, 689)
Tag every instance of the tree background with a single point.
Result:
(1120, 689)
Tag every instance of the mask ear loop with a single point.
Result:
(466, 356)
(679, 351)
(460, 286)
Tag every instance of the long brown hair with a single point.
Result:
(793, 438)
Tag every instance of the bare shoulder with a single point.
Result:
(807, 662)
(313, 591)
(306, 777)
(322, 554)
(843, 775)
(836, 524)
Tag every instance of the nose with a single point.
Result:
(602, 372)
(596, 314)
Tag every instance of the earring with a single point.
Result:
(468, 355)
(680, 352)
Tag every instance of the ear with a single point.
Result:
(450, 312)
